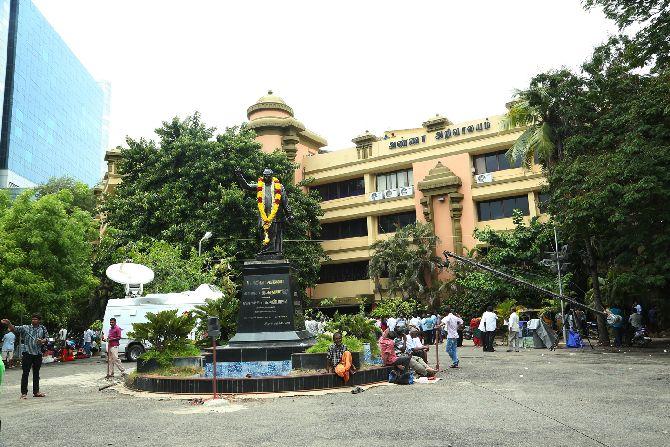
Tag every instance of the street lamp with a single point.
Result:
(204, 238)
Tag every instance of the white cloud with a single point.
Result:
(343, 66)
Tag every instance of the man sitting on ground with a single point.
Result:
(338, 358)
(415, 346)
(417, 364)
(388, 352)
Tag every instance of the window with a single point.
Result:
(344, 229)
(338, 190)
(495, 161)
(501, 208)
(390, 223)
(351, 271)
(397, 179)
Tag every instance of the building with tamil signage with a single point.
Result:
(453, 175)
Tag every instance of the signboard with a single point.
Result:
(266, 304)
(441, 135)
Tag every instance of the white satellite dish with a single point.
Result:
(133, 276)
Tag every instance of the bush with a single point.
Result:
(164, 358)
(325, 340)
(225, 308)
(166, 331)
(357, 325)
(395, 307)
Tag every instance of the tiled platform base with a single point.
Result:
(202, 385)
(256, 369)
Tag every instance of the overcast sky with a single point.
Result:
(343, 66)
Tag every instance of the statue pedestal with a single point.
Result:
(270, 323)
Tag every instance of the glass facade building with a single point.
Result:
(54, 112)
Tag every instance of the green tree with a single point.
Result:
(183, 185)
(408, 260)
(396, 306)
(173, 271)
(82, 196)
(45, 252)
(651, 21)
(518, 253)
(225, 308)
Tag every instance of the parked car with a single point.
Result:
(134, 310)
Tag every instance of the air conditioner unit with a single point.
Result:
(390, 193)
(484, 178)
(376, 196)
(406, 191)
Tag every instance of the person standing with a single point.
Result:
(88, 338)
(488, 327)
(617, 325)
(513, 332)
(113, 338)
(8, 348)
(36, 336)
(452, 322)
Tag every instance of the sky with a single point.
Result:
(343, 66)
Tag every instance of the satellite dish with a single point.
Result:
(133, 276)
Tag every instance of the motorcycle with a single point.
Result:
(641, 338)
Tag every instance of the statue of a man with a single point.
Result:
(273, 209)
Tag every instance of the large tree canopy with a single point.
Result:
(45, 257)
(183, 185)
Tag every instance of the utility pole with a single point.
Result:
(560, 285)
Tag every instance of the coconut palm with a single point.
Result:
(529, 110)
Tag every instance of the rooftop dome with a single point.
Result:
(269, 102)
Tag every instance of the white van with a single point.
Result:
(134, 310)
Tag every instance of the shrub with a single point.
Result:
(225, 308)
(357, 325)
(165, 331)
(325, 340)
(164, 358)
(395, 307)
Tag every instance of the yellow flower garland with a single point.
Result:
(267, 220)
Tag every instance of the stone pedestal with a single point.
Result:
(270, 323)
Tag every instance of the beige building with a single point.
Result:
(453, 175)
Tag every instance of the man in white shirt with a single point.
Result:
(8, 348)
(488, 327)
(451, 323)
(414, 345)
(88, 338)
(391, 322)
(513, 332)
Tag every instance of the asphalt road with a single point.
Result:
(535, 397)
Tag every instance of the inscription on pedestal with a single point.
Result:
(266, 304)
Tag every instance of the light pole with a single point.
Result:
(204, 238)
(560, 286)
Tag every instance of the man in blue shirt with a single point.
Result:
(428, 327)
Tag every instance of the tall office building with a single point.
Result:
(53, 111)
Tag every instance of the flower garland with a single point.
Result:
(267, 220)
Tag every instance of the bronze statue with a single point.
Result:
(273, 210)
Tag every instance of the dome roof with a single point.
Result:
(270, 97)
(270, 102)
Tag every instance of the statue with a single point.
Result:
(273, 209)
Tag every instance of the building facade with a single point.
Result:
(53, 111)
(453, 175)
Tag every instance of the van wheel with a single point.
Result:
(134, 351)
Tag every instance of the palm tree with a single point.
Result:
(538, 138)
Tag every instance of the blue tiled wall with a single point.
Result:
(256, 369)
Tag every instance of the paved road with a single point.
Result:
(535, 397)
